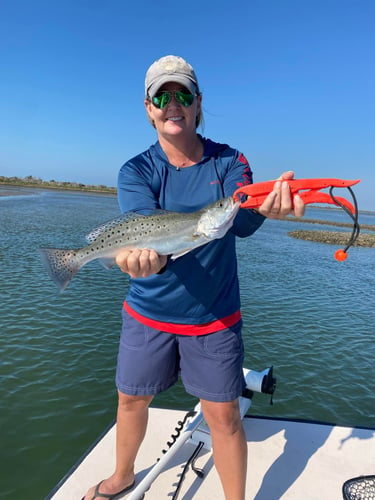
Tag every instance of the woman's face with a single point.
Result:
(174, 119)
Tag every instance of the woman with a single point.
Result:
(184, 314)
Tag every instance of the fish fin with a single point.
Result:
(181, 253)
(199, 241)
(60, 264)
(107, 262)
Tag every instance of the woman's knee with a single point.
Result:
(222, 417)
(128, 402)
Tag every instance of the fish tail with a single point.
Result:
(61, 265)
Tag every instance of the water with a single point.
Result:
(308, 315)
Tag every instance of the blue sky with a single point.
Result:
(288, 82)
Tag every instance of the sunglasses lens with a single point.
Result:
(161, 99)
(184, 99)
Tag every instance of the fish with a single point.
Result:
(166, 232)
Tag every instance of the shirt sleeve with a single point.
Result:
(239, 174)
(135, 190)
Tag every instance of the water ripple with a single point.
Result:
(311, 317)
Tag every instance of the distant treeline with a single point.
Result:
(31, 181)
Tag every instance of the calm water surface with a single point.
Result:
(308, 315)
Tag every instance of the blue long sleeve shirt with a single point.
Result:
(201, 286)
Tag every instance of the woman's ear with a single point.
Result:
(148, 108)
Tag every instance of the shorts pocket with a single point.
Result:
(133, 334)
(224, 343)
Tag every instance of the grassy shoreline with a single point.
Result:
(31, 182)
(13, 192)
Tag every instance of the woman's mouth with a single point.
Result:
(175, 118)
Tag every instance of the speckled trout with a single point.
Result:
(168, 233)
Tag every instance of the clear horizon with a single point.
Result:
(290, 84)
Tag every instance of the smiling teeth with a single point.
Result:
(175, 118)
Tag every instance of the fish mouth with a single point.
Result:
(232, 204)
(215, 227)
(236, 207)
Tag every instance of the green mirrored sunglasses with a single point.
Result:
(162, 98)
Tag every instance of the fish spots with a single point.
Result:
(168, 233)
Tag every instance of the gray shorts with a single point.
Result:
(149, 361)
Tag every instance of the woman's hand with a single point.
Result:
(140, 263)
(279, 203)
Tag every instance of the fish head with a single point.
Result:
(217, 218)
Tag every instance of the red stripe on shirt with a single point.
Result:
(186, 329)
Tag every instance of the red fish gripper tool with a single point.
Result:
(309, 190)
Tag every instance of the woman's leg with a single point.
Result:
(132, 417)
(229, 446)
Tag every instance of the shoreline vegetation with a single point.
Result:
(35, 182)
(330, 237)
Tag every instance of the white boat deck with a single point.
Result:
(287, 460)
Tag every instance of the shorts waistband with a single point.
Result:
(186, 329)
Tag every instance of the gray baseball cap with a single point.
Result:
(170, 69)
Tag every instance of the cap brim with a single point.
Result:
(183, 80)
